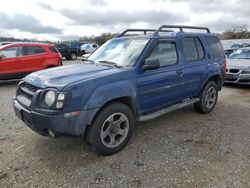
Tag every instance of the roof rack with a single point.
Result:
(136, 30)
(181, 27)
(163, 29)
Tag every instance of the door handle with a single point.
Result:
(179, 72)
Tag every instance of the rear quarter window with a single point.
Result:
(215, 47)
(53, 49)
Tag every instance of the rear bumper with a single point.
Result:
(62, 125)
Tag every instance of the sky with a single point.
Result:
(68, 20)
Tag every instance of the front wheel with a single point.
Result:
(208, 98)
(111, 129)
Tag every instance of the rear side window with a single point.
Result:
(53, 49)
(193, 50)
(33, 50)
(215, 47)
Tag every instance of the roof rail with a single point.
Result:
(136, 30)
(181, 27)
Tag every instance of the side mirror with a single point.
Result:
(151, 64)
(1, 57)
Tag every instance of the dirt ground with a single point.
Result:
(180, 149)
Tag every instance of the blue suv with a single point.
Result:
(137, 76)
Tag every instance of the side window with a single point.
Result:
(11, 52)
(33, 50)
(165, 51)
(215, 47)
(199, 48)
(193, 50)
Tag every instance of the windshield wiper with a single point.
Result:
(113, 64)
(88, 60)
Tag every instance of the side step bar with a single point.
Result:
(156, 114)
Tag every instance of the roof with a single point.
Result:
(25, 44)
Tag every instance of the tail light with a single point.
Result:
(225, 65)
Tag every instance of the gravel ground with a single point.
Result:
(180, 149)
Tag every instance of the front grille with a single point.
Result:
(30, 87)
(25, 93)
(234, 70)
(231, 79)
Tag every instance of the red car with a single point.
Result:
(20, 59)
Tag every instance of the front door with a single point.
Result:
(10, 63)
(162, 86)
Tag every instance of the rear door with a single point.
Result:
(195, 63)
(33, 58)
(160, 87)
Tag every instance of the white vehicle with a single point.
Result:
(88, 48)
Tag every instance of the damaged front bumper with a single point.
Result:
(69, 124)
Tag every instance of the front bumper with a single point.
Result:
(61, 125)
(238, 78)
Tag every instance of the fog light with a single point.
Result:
(59, 104)
(61, 97)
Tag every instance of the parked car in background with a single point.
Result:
(20, 59)
(66, 51)
(232, 48)
(128, 78)
(88, 48)
(245, 45)
(238, 70)
(229, 51)
(236, 46)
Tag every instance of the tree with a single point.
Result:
(239, 32)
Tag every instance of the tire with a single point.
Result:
(208, 98)
(73, 56)
(111, 129)
(68, 58)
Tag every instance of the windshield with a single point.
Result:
(240, 54)
(121, 51)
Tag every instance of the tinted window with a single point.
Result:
(215, 47)
(32, 50)
(199, 48)
(165, 52)
(53, 49)
(193, 50)
(190, 50)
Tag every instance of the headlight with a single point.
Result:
(50, 97)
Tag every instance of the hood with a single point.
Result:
(60, 77)
(238, 63)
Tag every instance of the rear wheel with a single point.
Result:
(73, 56)
(208, 98)
(111, 129)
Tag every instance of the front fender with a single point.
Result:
(111, 91)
